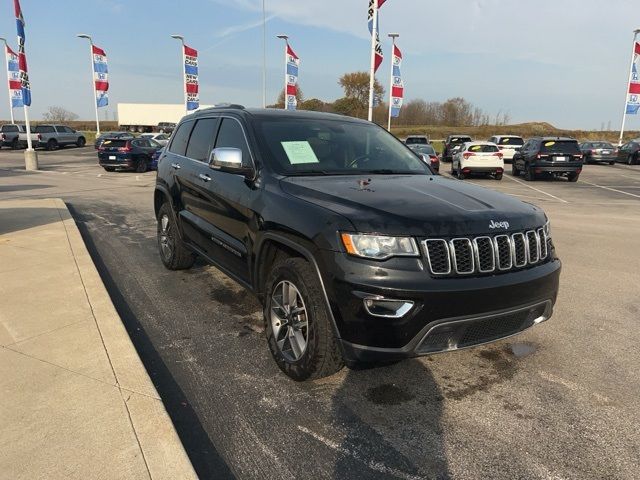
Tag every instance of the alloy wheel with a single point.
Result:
(166, 240)
(289, 321)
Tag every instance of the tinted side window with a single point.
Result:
(202, 139)
(180, 139)
(231, 135)
(44, 129)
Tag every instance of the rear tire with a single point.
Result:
(173, 253)
(321, 355)
(109, 169)
(15, 144)
(573, 177)
(498, 176)
(528, 173)
(630, 160)
(611, 163)
(142, 165)
(52, 145)
(81, 142)
(461, 175)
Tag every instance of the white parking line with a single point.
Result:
(536, 189)
(609, 188)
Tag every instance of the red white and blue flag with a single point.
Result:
(191, 78)
(13, 73)
(293, 64)
(374, 5)
(633, 100)
(100, 76)
(397, 89)
(22, 57)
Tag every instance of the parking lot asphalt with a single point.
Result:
(559, 401)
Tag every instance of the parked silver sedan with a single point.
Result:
(599, 152)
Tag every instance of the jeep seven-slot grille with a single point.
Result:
(486, 254)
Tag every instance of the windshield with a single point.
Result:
(601, 145)
(511, 141)
(483, 148)
(560, 146)
(299, 146)
(424, 149)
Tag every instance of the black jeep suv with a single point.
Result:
(357, 251)
(555, 156)
(452, 142)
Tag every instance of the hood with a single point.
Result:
(417, 205)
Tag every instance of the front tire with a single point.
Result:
(514, 170)
(297, 322)
(173, 253)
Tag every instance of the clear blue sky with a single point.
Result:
(561, 61)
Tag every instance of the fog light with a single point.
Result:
(383, 307)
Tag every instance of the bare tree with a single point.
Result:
(59, 114)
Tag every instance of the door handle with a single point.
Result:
(176, 166)
(204, 177)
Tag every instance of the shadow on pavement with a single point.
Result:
(391, 420)
(18, 188)
(204, 457)
(16, 219)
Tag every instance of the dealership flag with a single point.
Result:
(372, 17)
(13, 72)
(633, 101)
(191, 78)
(22, 57)
(291, 80)
(100, 76)
(397, 87)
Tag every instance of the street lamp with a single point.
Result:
(181, 38)
(6, 54)
(93, 80)
(393, 37)
(286, 43)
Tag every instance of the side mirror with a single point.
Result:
(227, 159)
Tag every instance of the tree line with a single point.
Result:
(454, 112)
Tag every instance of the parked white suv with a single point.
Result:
(508, 145)
(478, 158)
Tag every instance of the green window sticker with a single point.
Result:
(299, 152)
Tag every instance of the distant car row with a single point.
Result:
(50, 137)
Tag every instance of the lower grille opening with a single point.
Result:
(466, 333)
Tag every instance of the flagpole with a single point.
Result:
(372, 71)
(393, 37)
(93, 81)
(264, 56)
(6, 56)
(286, 59)
(184, 74)
(626, 92)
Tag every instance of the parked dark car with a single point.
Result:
(428, 153)
(629, 153)
(598, 152)
(111, 135)
(450, 143)
(166, 127)
(417, 140)
(126, 154)
(551, 156)
(357, 251)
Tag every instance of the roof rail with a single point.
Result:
(229, 105)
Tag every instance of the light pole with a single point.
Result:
(626, 92)
(93, 80)
(184, 89)
(286, 44)
(6, 56)
(393, 37)
(264, 56)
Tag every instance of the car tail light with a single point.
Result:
(39, 137)
(126, 148)
(466, 170)
(499, 170)
(466, 155)
(434, 158)
(498, 154)
(3, 137)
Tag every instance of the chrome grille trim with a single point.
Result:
(518, 239)
(456, 252)
(496, 242)
(447, 258)
(486, 254)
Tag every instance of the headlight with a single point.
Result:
(379, 247)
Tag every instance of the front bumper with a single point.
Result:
(447, 313)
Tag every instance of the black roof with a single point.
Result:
(274, 113)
